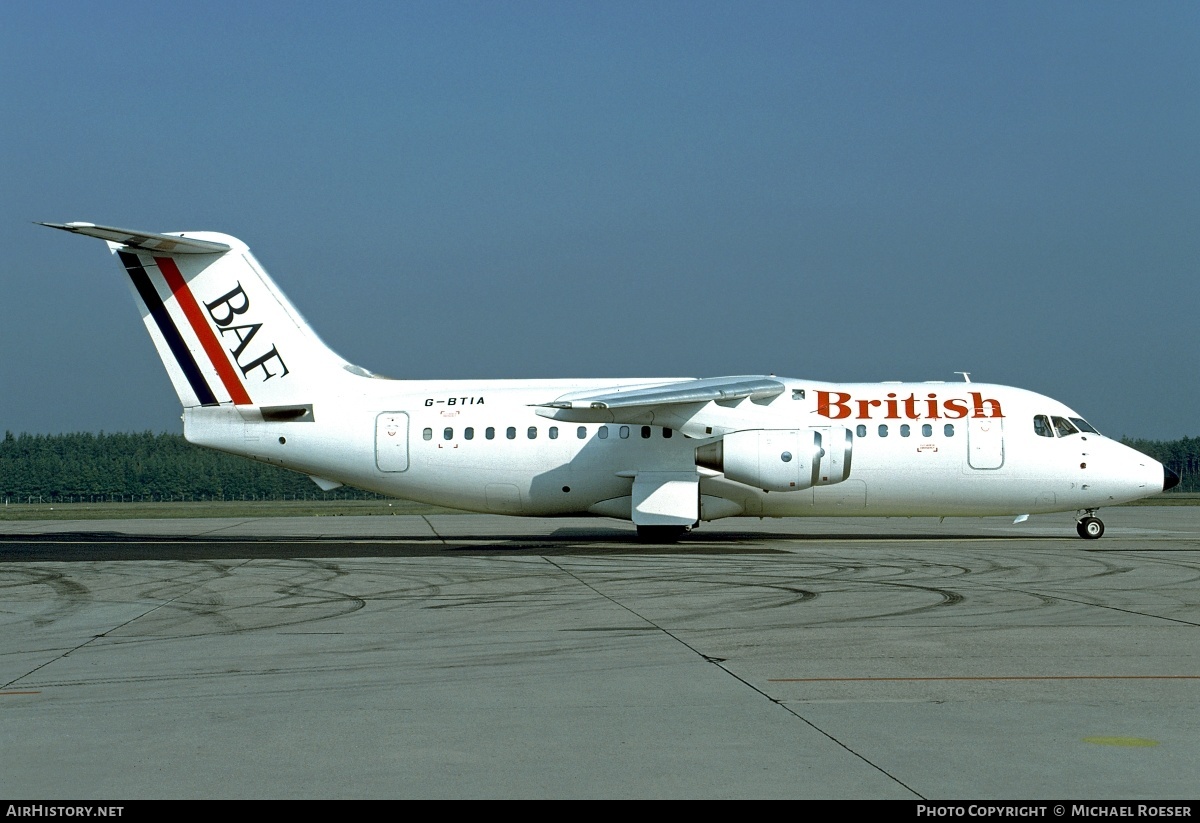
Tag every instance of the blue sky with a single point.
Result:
(837, 191)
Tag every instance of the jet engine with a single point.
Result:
(781, 460)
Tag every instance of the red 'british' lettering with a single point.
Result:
(833, 409)
(838, 405)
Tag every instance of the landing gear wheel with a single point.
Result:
(1090, 528)
(660, 534)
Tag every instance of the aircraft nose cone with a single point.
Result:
(1170, 479)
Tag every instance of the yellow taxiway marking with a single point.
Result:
(1000, 677)
(1134, 742)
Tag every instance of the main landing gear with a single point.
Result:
(660, 534)
(1089, 526)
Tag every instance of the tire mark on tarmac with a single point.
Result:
(719, 663)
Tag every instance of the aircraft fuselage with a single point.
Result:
(917, 449)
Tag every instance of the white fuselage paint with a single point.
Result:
(980, 465)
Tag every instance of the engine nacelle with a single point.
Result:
(837, 443)
(781, 460)
(778, 460)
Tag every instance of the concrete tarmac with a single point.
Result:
(471, 656)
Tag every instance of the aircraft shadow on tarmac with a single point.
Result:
(115, 546)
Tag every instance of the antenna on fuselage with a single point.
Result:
(966, 376)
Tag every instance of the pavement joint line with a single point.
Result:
(433, 529)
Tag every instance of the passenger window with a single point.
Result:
(448, 433)
(581, 432)
(532, 432)
(926, 430)
(511, 432)
(861, 431)
(883, 430)
(904, 430)
(554, 432)
(1041, 426)
(645, 432)
(490, 433)
(602, 432)
(667, 434)
(427, 434)
(468, 433)
(624, 432)
(949, 429)
(1064, 427)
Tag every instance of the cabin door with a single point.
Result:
(985, 442)
(391, 441)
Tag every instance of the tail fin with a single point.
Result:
(224, 331)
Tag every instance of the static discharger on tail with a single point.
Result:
(664, 453)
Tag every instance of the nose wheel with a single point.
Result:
(1090, 527)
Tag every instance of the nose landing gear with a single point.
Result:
(1089, 526)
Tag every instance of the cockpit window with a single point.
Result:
(1041, 426)
(1064, 427)
(1083, 425)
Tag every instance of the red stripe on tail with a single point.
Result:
(212, 346)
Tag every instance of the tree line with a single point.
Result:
(88, 467)
(1181, 456)
(128, 467)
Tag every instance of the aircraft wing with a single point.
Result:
(705, 390)
(698, 408)
(172, 243)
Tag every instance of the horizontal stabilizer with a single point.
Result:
(166, 243)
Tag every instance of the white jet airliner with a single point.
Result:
(667, 454)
